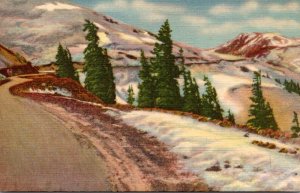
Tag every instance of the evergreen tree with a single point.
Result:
(261, 113)
(130, 96)
(111, 92)
(146, 96)
(197, 96)
(230, 117)
(296, 127)
(191, 96)
(65, 64)
(165, 73)
(60, 60)
(181, 61)
(72, 73)
(292, 86)
(210, 104)
(99, 76)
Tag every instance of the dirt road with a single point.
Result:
(38, 154)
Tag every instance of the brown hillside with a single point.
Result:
(9, 58)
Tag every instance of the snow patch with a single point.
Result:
(149, 40)
(204, 144)
(56, 6)
(100, 26)
(104, 39)
(130, 38)
(55, 90)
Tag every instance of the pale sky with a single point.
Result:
(205, 23)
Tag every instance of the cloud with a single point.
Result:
(224, 28)
(245, 8)
(153, 17)
(154, 7)
(266, 23)
(114, 5)
(291, 6)
(272, 23)
(146, 11)
(261, 23)
(195, 20)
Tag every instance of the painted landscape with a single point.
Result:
(91, 103)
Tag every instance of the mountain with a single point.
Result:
(34, 29)
(271, 48)
(9, 58)
(256, 44)
(38, 31)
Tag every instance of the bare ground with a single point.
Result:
(135, 160)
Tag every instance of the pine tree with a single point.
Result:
(210, 104)
(99, 75)
(111, 92)
(60, 61)
(72, 73)
(130, 95)
(65, 64)
(197, 97)
(146, 96)
(230, 117)
(165, 71)
(191, 96)
(296, 127)
(261, 113)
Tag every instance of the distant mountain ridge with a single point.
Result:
(256, 44)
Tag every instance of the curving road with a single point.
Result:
(37, 153)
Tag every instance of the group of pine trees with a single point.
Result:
(159, 82)
(99, 74)
(261, 113)
(65, 64)
(291, 86)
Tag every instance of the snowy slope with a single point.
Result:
(38, 31)
(203, 145)
(232, 81)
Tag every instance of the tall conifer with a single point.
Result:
(191, 96)
(111, 91)
(296, 127)
(146, 95)
(65, 64)
(261, 113)
(165, 71)
(210, 103)
(99, 76)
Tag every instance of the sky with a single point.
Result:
(205, 23)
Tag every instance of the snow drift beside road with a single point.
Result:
(205, 145)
